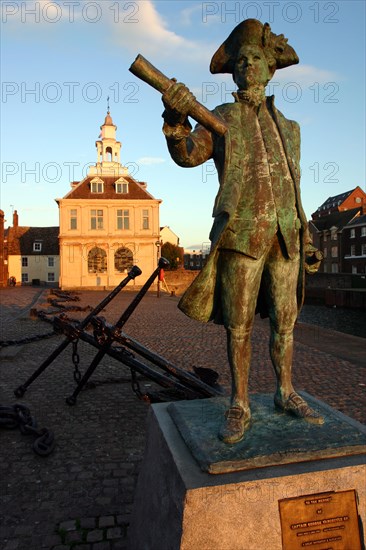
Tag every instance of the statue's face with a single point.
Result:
(251, 68)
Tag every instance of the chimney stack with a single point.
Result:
(15, 219)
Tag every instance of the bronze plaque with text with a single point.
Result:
(324, 521)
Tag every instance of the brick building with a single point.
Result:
(331, 226)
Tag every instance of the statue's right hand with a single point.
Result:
(177, 100)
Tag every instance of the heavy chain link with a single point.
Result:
(28, 340)
(76, 361)
(19, 416)
(135, 385)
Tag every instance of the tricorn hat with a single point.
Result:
(253, 32)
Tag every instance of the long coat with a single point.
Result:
(201, 301)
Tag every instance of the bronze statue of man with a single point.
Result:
(259, 235)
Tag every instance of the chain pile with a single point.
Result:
(19, 416)
(27, 340)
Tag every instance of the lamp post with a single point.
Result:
(158, 245)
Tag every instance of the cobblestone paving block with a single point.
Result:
(23, 529)
(111, 482)
(105, 545)
(50, 541)
(106, 521)
(94, 536)
(68, 526)
(114, 533)
(88, 523)
(119, 545)
(74, 536)
(11, 545)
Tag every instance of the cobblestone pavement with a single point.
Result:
(81, 495)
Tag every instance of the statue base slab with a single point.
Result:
(273, 437)
(180, 506)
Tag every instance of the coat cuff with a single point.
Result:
(178, 131)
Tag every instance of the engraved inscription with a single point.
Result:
(320, 541)
(303, 533)
(319, 522)
(316, 520)
(318, 500)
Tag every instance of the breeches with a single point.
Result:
(241, 277)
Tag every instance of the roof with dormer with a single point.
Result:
(336, 200)
(83, 189)
(340, 202)
(21, 241)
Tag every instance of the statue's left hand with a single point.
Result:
(313, 259)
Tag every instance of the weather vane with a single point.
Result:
(108, 104)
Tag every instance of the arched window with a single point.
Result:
(109, 154)
(123, 259)
(97, 260)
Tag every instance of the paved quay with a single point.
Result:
(81, 495)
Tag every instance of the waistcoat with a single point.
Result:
(266, 197)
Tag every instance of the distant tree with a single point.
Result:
(174, 254)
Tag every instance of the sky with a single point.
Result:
(61, 60)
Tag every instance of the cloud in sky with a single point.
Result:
(185, 17)
(154, 38)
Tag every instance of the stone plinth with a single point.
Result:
(179, 506)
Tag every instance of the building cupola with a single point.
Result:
(108, 150)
